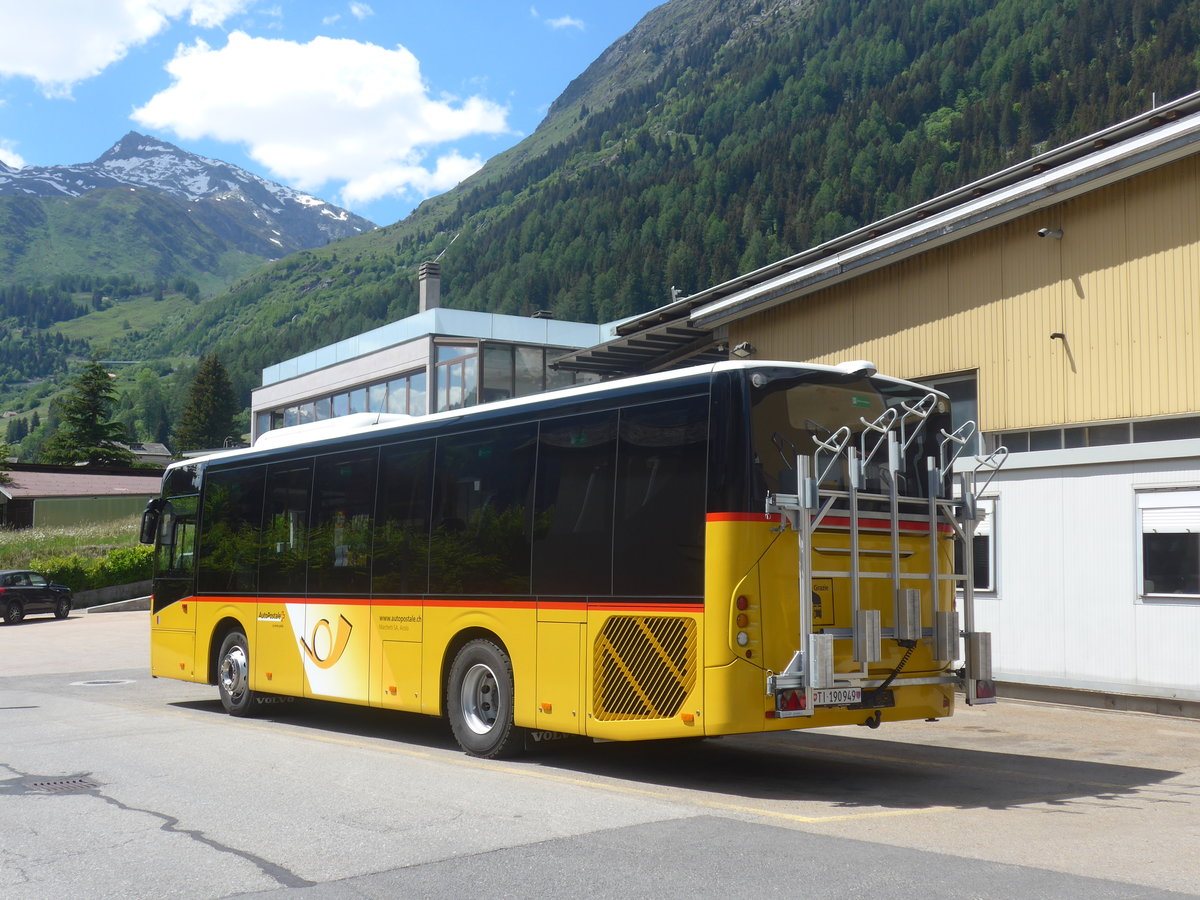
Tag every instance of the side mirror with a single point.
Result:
(150, 520)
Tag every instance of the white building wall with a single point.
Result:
(1067, 610)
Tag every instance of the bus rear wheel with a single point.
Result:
(233, 675)
(479, 701)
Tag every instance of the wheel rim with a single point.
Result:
(480, 699)
(64, 608)
(14, 612)
(233, 673)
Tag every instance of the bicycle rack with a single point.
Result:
(895, 429)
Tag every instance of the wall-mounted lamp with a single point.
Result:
(1055, 233)
(744, 350)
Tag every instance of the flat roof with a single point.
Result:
(442, 322)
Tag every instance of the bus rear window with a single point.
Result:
(791, 417)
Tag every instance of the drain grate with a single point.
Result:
(62, 785)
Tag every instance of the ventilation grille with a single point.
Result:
(645, 667)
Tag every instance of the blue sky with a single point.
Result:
(371, 104)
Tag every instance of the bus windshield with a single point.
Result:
(790, 415)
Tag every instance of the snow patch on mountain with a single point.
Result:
(139, 161)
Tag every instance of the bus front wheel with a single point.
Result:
(479, 701)
(233, 675)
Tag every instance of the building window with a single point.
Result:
(457, 376)
(530, 370)
(1169, 545)
(377, 397)
(963, 391)
(406, 394)
(1101, 434)
(497, 372)
(983, 548)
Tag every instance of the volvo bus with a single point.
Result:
(731, 548)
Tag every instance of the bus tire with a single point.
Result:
(233, 676)
(479, 701)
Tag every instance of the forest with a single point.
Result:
(755, 130)
(749, 143)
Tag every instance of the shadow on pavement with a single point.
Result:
(822, 767)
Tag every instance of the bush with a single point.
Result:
(122, 565)
(74, 571)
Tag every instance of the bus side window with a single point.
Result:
(231, 515)
(282, 565)
(342, 512)
(573, 511)
(482, 505)
(401, 541)
(661, 498)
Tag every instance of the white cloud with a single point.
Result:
(59, 43)
(360, 11)
(331, 110)
(558, 23)
(9, 155)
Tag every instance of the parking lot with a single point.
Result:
(113, 784)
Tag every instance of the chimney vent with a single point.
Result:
(429, 279)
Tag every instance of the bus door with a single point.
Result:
(174, 607)
(336, 640)
(400, 563)
(277, 661)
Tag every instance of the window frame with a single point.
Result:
(1163, 498)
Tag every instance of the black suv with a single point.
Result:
(24, 593)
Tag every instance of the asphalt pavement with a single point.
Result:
(113, 784)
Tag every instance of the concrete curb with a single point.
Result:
(135, 603)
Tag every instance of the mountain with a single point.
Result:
(715, 137)
(256, 215)
(160, 211)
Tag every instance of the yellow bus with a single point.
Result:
(731, 548)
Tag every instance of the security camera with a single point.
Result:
(1055, 233)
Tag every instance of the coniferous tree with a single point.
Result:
(207, 418)
(85, 431)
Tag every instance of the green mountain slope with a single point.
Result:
(717, 136)
(118, 231)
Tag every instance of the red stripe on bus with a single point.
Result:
(828, 521)
(461, 602)
(650, 607)
(742, 517)
(482, 602)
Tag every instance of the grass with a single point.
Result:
(105, 326)
(19, 547)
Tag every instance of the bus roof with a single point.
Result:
(361, 424)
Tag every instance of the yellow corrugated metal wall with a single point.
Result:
(1122, 288)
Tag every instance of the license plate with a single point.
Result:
(836, 696)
